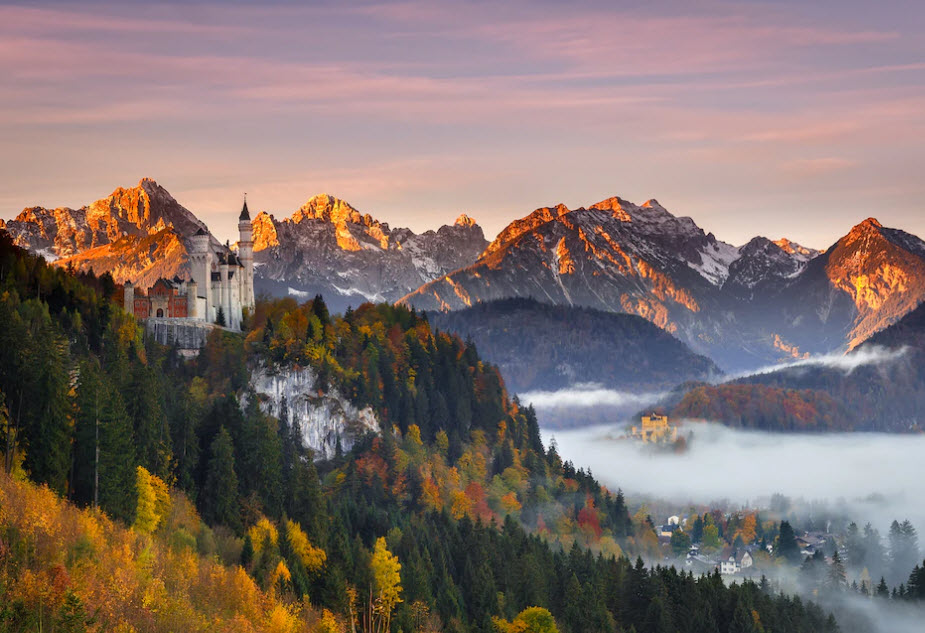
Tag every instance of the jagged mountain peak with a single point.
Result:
(870, 222)
(140, 210)
(464, 220)
(518, 227)
(330, 209)
(327, 246)
(797, 250)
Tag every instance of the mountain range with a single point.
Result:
(743, 307)
(327, 247)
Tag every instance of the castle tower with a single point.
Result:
(246, 255)
(224, 291)
(129, 297)
(200, 258)
(191, 299)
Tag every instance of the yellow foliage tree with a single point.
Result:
(153, 501)
(530, 620)
(461, 504)
(510, 503)
(280, 575)
(263, 535)
(387, 586)
(313, 558)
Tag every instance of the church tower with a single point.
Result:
(246, 255)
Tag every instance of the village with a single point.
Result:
(711, 552)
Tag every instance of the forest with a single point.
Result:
(143, 491)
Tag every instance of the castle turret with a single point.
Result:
(200, 258)
(129, 297)
(246, 255)
(192, 299)
(224, 290)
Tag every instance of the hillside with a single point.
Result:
(540, 346)
(878, 386)
(763, 407)
(454, 517)
(68, 569)
(328, 247)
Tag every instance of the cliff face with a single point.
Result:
(328, 247)
(323, 419)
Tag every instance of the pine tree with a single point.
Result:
(882, 590)
(787, 543)
(836, 577)
(117, 493)
(152, 435)
(220, 504)
(89, 403)
(220, 317)
(45, 411)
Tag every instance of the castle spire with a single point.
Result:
(245, 214)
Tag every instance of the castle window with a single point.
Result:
(160, 312)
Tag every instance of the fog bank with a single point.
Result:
(878, 476)
(873, 355)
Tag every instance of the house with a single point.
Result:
(733, 561)
(744, 560)
(728, 566)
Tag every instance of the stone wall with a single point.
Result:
(186, 334)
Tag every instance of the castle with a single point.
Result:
(220, 288)
(655, 428)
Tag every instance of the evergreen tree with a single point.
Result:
(836, 578)
(220, 317)
(152, 435)
(220, 491)
(45, 411)
(117, 493)
(787, 547)
(882, 590)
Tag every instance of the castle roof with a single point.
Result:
(245, 214)
(200, 231)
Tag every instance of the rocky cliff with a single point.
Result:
(324, 419)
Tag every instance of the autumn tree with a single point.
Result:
(386, 589)
(530, 620)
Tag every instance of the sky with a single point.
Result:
(787, 118)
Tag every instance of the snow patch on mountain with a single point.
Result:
(715, 260)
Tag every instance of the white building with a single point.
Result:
(220, 288)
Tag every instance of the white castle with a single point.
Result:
(227, 278)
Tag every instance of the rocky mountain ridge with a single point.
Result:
(328, 247)
(136, 233)
(745, 306)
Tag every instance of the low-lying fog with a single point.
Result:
(878, 476)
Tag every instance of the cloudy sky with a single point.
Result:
(771, 118)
